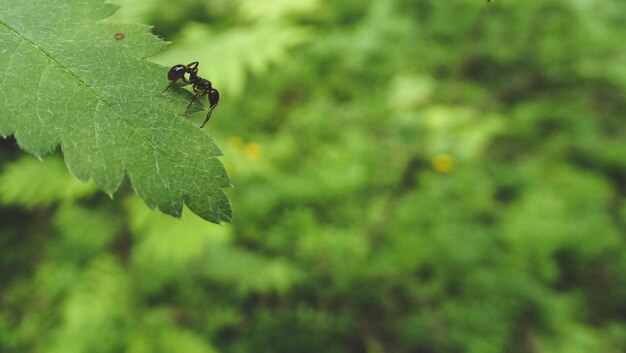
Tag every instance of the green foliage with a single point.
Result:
(68, 80)
(412, 176)
(30, 183)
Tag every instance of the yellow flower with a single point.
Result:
(443, 163)
(253, 151)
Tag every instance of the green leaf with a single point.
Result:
(97, 310)
(69, 78)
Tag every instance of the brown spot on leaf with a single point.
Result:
(119, 36)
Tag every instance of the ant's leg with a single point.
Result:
(168, 87)
(189, 105)
(197, 95)
(214, 98)
(208, 116)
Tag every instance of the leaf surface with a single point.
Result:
(69, 78)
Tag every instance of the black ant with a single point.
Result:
(200, 86)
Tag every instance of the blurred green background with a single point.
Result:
(429, 176)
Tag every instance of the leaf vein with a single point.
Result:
(88, 88)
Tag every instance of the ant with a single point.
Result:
(200, 86)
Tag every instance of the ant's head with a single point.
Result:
(177, 72)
